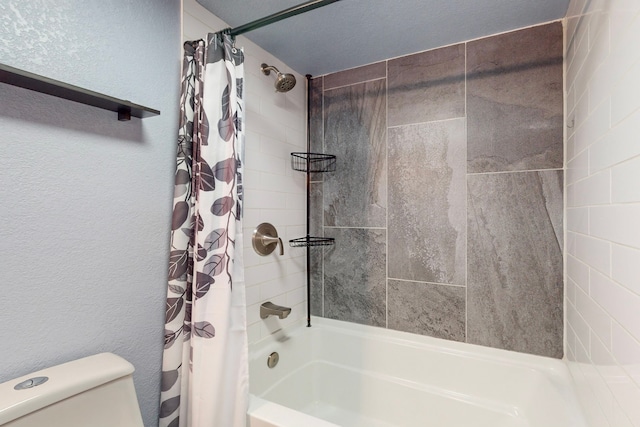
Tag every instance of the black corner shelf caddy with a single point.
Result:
(311, 163)
(38, 83)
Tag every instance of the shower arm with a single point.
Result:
(267, 69)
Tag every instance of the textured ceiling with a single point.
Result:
(350, 33)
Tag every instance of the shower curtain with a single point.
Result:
(205, 361)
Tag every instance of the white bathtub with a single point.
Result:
(342, 374)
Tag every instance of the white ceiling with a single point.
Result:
(350, 33)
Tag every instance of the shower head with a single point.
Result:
(284, 81)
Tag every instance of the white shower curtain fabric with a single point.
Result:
(205, 380)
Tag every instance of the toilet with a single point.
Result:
(95, 391)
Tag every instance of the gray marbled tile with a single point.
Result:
(355, 195)
(427, 86)
(514, 272)
(316, 229)
(316, 131)
(354, 276)
(316, 223)
(427, 202)
(317, 285)
(427, 309)
(374, 71)
(515, 100)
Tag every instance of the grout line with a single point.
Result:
(356, 228)
(516, 171)
(610, 272)
(599, 239)
(353, 84)
(626, 330)
(430, 121)
(605, 205)
(426, 283)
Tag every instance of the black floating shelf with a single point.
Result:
(313, 162)
(35, 82)
(311, 241)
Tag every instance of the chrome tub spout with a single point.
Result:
(270, 309)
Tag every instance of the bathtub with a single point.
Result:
(343, 374)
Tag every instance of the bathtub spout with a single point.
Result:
(270, 309)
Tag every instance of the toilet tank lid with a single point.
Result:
(64, 381)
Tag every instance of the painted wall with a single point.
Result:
(603, 208)
(275, 124)
(85, 200)
(446, 205)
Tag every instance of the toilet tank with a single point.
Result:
(95, 391)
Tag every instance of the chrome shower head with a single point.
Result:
(284, 81)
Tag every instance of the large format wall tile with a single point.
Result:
(355, 195)
(427, 86)
(427, 309)
(515, 100)
(514, 277)
(316, 122)
(427, 202)
(365, 73)
(450, 221)
(354, 276)
(317, 291)
(316, 229)
(315, 115)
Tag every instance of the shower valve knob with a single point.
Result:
(265, 239)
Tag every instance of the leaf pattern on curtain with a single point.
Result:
(206, 223)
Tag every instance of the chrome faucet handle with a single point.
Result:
(265, 239)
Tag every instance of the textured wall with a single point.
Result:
(85, 200)
(603, 208)
(447, 201)
(274, 193)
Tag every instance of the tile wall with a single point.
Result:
(603, 208)
(274, 193)
(447, 202)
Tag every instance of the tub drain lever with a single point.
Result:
(270, 309)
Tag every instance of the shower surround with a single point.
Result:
(447, 201)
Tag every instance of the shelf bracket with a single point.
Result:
(124, 114)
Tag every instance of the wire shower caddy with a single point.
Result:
(309, 163)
